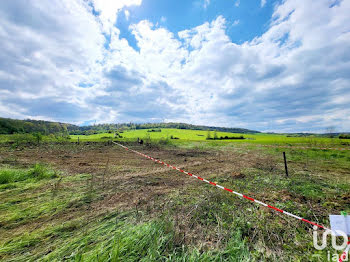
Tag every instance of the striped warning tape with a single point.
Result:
(344, 257)
(224, 188)
(341, 259)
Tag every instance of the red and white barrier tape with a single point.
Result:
(224, 188)
(342, 257)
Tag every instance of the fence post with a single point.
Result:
(285, 163)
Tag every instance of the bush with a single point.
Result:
(5, 177)
(22, 139)
(12, 175)
(162, 141)
(40, 171)
(38, 137)
(225, 138)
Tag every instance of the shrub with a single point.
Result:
(215, 135)
(225, 138)
(38, 137)
(106, 137)
(12, 175)
(5, 177)
(154, 130)
(162, 141)
(40, 171)
(208, 135)
(22, 138)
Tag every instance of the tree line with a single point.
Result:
(13, 126)
(134, 126)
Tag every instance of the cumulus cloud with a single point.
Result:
(262, 3)
(109, 9)
(44, 57)
(294, 77)
(127, 14)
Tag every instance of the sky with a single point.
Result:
(280, 66)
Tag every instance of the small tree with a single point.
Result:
(38, 136)
(330, 131)
(208, 135)
(215, 135)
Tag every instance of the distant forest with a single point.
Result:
(13, 126)
(127, 126)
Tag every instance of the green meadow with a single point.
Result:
(66, 201)
(184, 136)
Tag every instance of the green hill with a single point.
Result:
(12, 126)
(132, 126)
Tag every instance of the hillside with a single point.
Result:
(108, 127)
(12, 126)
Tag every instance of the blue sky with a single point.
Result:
(178, 15)
(261, 64)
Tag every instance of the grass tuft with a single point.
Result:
(5, 176)
(38, 172)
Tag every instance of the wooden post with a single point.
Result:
(104, 174)
(285, 163)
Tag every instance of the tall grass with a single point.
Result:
(155, 240)
(38, 172)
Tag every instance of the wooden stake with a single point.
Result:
(104, 174)
(285, 163)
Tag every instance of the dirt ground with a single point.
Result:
(135, 178)
(122, 181)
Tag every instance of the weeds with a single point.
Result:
(95, 216)
(38, 172)
(6, 176)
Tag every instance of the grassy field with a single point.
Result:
(98, 202)
(186, 136)
(18, 139)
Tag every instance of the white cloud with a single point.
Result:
(44, 56)
(109, 9)
(237, 3)
(236, 22)
(206, 3)
(262, 3)
(127, 14)
(281, 80)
